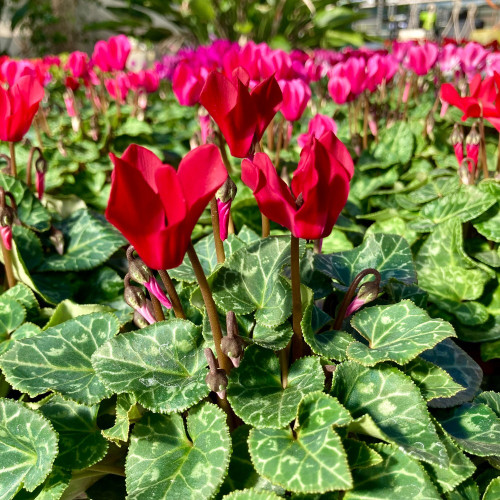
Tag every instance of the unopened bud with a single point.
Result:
(464, 172)
(134, 297)
(216, 378)
(224, 197)
(139, 320)
(367, 293)
(457, 136)
(429, 123)
(139, 272)
(57, 239)
(472, 142)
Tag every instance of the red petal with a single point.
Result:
(272, 194)
(266, 99)
(145, 161)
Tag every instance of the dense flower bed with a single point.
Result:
(245, 273)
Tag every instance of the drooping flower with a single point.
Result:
(242, 116)
(18, 106)
(156, 207)
(319, 187)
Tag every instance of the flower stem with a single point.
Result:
(297, 343)
(172, 293)
(7, 261)
(484, 160)
(13, 166)
(223, 152)
(350, 294)
(219, 245)
(157, 308)
(266, 226)
(284, 356)
(213, 318)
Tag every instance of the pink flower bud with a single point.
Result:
(406, 92)
(6, 233)
(40, 183)
(206, 127)
(444, 108)
(224, 208)
(146, 314)
(153, 288)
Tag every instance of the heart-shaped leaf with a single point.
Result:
(80, 441)
(389, 254)
(310, 458)
(397, 474)
(170, 459)
(162, 365)
(58, 359)
(89, 241)
(255, 391)
(395, 406)
(398, 332)
(28, 447)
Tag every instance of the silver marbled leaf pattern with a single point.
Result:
(164, 462)
(162, 365)
(58, 359)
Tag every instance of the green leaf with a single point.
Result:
(467, 490)
(493, 490)
(67, 309)
(12, 314)
(28, 447)
(272, 338)
(395, 145)
(463, 205)
(460, 468)
(52, 488)
(22, 294)
(397, 476)
(475, 427)
(29, 209)
(488, 224)
(395, 405)
(360, 455)
(58, 359)
(462, 369)
(125, 407)
(490, 350)
(447, 273)
(255, 392)
(162, 365)
(250, 281)
(389, 254)
(25, 331)
(80, 441)
(398, 332)
(165, 462)
(205, 249)
(432, 380)
(89, 241)
(491, 399)
(309, 459)
(251, 495)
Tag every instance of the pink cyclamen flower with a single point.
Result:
(146, 314)
(187, 83)
(296, 95)
(318, 125)
(421, 58)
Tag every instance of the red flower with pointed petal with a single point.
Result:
(480, 102)
(242, 116)
(156, 207)
(18, 106)
(319, 189)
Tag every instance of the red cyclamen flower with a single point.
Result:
(242, 116)
(319, 188)
(18, 106)
(156, 207)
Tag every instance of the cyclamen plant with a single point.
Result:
(327, 328)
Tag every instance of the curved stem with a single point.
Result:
(219, 245)
(350, 294)
(297, 343)
(12, 151)
(213, 318)
(157, 308)
(172, 293)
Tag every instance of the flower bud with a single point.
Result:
(6, 221)
(367, 292)
(134, 297)
(140, 273)
(472, 142)
(224, 196)
(139, 320)
(217, 382)
(457, 139)
(57, 239)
